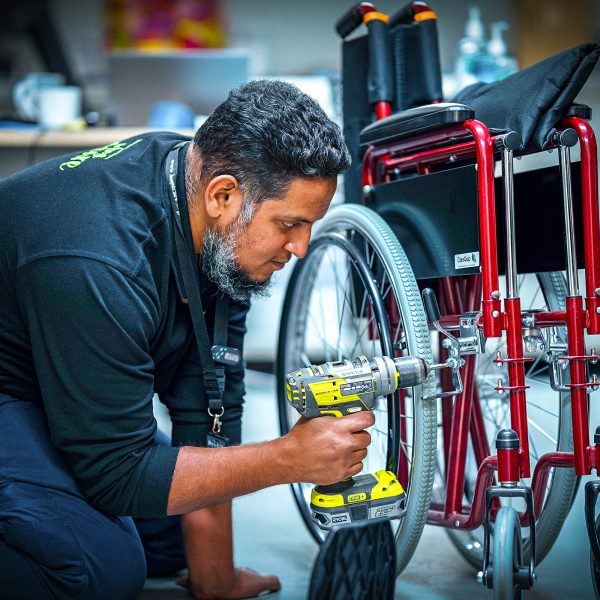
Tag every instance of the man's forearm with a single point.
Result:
(208, 540)
(207, 476)
(323, 450)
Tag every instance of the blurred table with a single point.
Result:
(21, 148)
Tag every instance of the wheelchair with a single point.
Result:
(434, 255)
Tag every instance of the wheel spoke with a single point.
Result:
(404, 446)
(341, 320)
(542, 431)
(316, 328)
(377, 430)
(543, 409)
(359, 334)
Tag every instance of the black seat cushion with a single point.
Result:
(415, 120)
(533, 101)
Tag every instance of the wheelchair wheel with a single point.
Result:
(549, 423)
(507, 556)
(355, 263)
(594, 567)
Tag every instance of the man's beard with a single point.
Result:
(219, 264)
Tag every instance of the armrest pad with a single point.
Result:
(415, 120)
(582, 111)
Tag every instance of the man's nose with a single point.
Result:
(298, 242)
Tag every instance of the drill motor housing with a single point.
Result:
(347, 386)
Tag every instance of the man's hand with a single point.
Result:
(246, 583)
(326, 450)
(208, 540)
(322, 450)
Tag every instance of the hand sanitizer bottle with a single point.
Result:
(504, 64)
(473, 63)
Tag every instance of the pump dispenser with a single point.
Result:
(473, 63)
(496, 47)
(474, 28)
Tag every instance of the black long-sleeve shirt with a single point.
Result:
(92, 323)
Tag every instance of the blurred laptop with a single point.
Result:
(199, 78)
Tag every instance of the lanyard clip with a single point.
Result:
(216, 426)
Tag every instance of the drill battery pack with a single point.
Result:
(370, 496)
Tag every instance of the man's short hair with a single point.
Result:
(267, 133)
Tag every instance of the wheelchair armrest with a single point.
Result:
(415, 120)
(582, 111)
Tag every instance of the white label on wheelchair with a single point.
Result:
(466, 260)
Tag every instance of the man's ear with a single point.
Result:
(223, 198)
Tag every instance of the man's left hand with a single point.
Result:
(246, 583)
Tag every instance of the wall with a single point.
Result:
(290, 38)
(299, 37)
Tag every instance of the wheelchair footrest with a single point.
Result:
(357, 560)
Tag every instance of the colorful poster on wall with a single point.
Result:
(164, 24)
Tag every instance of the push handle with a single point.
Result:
(414, 11)
(381, 74)
(431, 305)
(380, 80)
(417, 55)
(352, 18)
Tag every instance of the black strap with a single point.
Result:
(190, 277)
(220, 337)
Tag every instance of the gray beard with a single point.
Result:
(218, 263)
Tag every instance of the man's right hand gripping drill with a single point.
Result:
(329, 449)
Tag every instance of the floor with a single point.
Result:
(270, 537)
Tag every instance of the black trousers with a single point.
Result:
(53, 543)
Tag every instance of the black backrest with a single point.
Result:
(417, 80)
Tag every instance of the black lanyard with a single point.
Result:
(190, 277)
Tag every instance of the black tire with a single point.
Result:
(507, 556)
(594, 567)
(356, 242)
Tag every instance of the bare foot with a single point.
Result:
(247, 583)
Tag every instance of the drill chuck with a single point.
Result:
(411, 371)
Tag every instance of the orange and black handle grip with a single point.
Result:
(419, 70)
(380, 81)
(352, 18)
(411, 13)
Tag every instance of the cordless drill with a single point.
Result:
(342, 388)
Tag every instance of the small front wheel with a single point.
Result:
(507, 558)
(595, 567)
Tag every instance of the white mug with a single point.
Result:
(26, 93)
(59, 106)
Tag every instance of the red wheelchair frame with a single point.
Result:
(420, 154)
(413, 154)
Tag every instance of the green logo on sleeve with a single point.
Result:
(104, 152)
